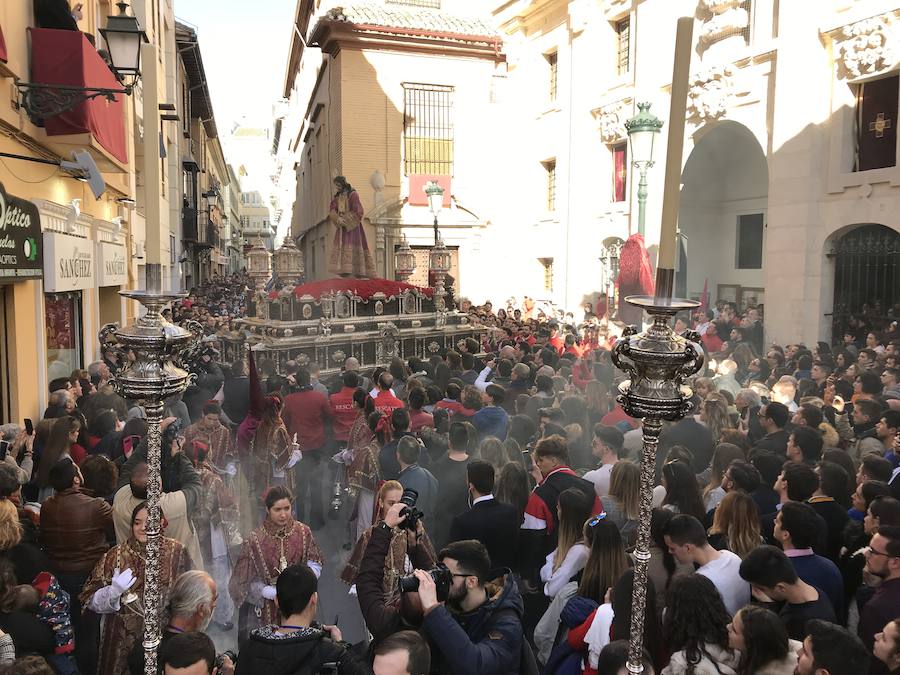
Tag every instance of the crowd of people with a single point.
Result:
(492, 494)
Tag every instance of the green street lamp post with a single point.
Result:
(642, 130)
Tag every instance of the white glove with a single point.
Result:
(268, 592)
(231, 469)
(122, 581)
(295, 457)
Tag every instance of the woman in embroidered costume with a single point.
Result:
(397, 562)
(115, 590)
(350, 256)
(279, 542)
(363, 475)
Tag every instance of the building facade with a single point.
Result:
(392, 101)
(790, 184)
(66, 254)
(256, 221)
(789, 163)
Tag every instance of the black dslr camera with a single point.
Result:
(442, 580)
(409, 498)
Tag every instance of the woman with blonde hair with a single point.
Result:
(736, 524)
(574, 508)
(714, 414)
(623, 503)
(596, 400)
(724, 454)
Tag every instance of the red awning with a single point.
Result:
(66, 57)
(3, 54)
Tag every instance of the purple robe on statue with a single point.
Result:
(350, 254)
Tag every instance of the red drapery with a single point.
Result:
(364, 288)
(66, 57)
(620, 171)
(3, 54)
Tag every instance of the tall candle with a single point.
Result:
(677, 109)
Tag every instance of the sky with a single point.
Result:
(244, 47)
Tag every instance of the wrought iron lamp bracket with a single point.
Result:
(43, 101)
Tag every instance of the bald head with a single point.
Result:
(351, 364)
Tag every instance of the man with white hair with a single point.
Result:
(192, 602)
(99, 370)
(725, 379)
(784, 391)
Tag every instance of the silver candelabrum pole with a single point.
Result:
(657, 361)
(158, 372)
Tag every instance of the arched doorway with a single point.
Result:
(866, 278)
(722, 217)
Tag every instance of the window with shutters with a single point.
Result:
(553, 73)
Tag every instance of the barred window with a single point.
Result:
(623, 46)
(550, 168)
(434, 4)
(552, 59)
(428, 129)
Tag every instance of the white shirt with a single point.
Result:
(724, 572)
(572, 564)
(482, 499)
(600, 479)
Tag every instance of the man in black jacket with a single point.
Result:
(492, 523)
(55, 14)
(298, 644)
(478, 628)
(773, 417)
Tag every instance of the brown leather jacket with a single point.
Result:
(75, 530)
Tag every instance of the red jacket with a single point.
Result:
(386, 403)
(557, 343)
(344, 413)
(305, 413)
(419, 419)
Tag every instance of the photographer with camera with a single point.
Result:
(385, 613)
(473, 618)
(298, 644)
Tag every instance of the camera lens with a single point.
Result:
(409, 497)
(408, 584)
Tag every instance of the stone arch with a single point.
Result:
(722, 214)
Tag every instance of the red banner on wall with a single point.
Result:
(3, 54)
(620, 171)
(66, 57)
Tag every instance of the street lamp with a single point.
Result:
(642, 130)
(435, 202)
(212, 197)
(123, 37)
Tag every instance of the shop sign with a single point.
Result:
(21, 252)
(111, 267)
(68, 263)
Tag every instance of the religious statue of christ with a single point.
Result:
(350, 255)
